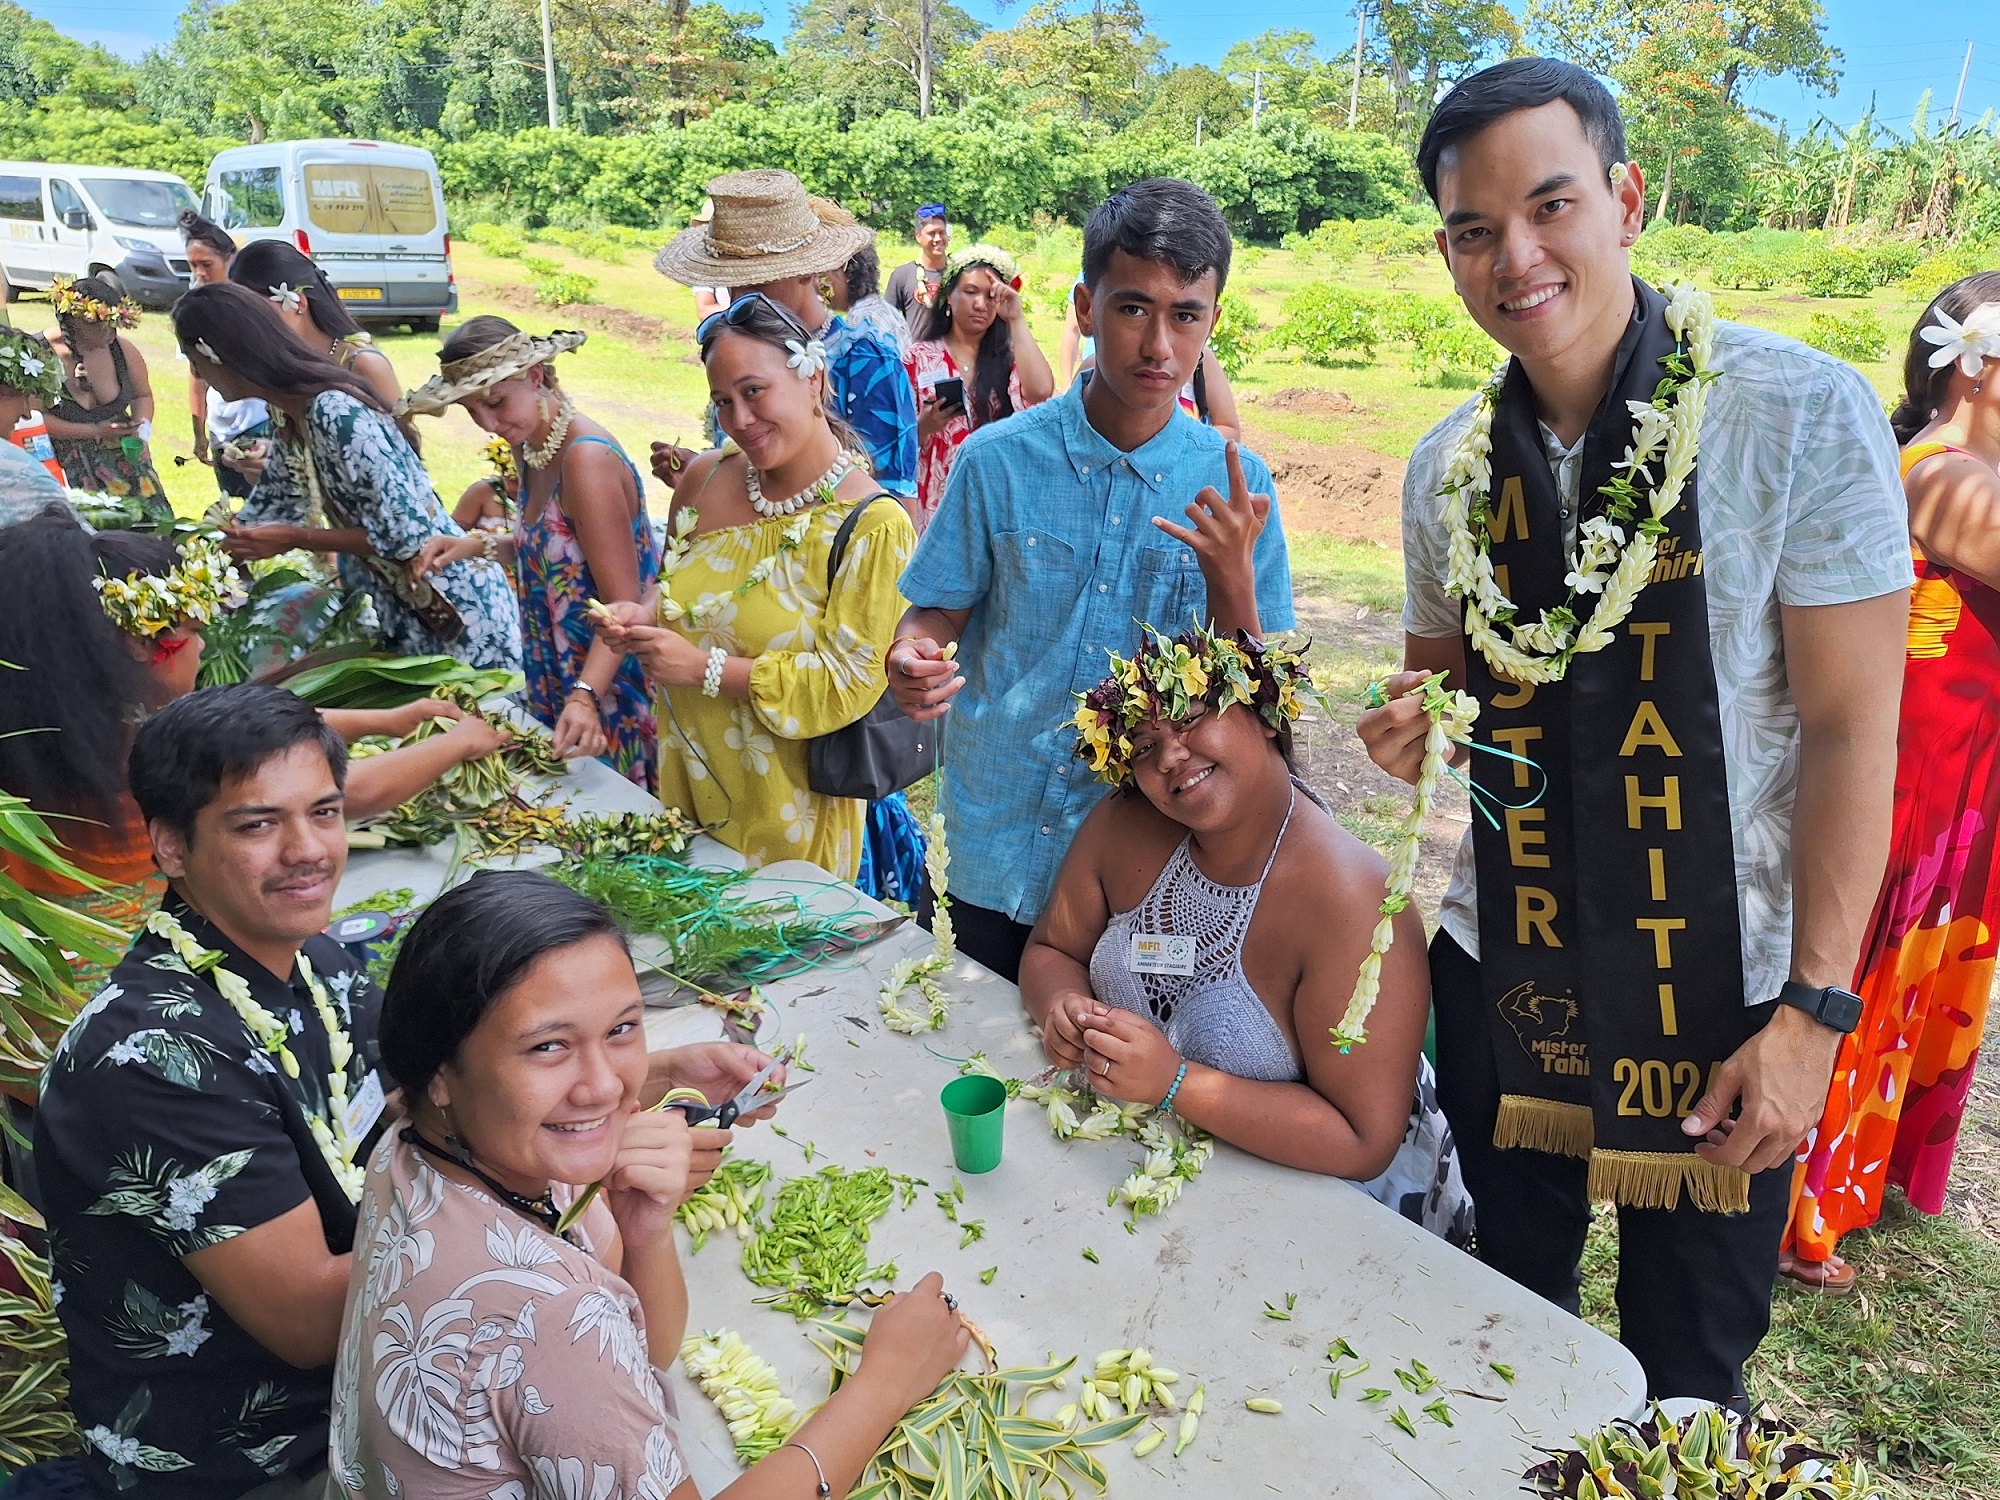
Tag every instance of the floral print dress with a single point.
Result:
(483, 1358)
(739, 765)
(926, 363)
(556, 586)
(364, 474)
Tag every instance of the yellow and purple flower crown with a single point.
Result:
(1167, 676)
(81, 307)
(202, 587)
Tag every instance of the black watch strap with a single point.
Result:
(1838, 1008)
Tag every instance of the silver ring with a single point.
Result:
(951, 1301)
(1105, 1071)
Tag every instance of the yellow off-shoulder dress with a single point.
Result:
(739, 765)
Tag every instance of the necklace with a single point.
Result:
(542, 457)
(1607, 561)
(542, 1210)
(332, 1137)
(822, 488)
(675, 555)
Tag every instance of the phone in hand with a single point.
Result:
(948, 393)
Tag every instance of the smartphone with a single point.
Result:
(949, 392)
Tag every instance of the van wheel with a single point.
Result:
(424, 325)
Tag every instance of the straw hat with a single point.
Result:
(514, 355)
(764, 228)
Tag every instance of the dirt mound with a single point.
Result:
(620, 322)
(1341, 489)
(1307, 403)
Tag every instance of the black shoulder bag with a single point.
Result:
(883, 751)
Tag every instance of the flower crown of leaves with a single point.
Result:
(72, 304)
(200, 588)
(996, 260)
(27, 363)
(1167, 676)
(501, 456)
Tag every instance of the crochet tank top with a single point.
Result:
(1211, 1016)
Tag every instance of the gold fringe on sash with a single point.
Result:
(1651, 1179)
(1533, 1124)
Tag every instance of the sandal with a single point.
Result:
(1832, 1277)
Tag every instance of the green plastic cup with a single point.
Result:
(974, 1110)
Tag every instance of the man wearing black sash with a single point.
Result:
(1668, 556)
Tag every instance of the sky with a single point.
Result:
(1894, 49)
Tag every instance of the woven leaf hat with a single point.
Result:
(514, 355)
(765, 228)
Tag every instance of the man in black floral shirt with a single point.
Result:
(198, 1158)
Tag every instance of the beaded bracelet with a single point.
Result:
(711, 677)
(1179, 1079)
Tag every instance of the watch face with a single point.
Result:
(1840, 1009)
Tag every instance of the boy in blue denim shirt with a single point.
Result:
(1053, 538)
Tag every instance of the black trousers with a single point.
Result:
(1694, 1289)
(991, 937)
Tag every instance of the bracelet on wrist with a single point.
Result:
(580, 686)
(1179, 1078)
(711, 676)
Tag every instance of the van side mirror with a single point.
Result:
(75, 218)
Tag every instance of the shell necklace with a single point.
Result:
(542, 457)
(822, 488)
(331, 1135)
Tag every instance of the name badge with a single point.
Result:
(1161, 953)
(365, 1106)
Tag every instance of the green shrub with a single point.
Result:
(553, 286)
(594, 244)
(1936, 272)
(1235, 337)
(1857, 336)
(1892, 261)
(497, 239)
(1013, 241)
(1836, 271)
(1686, 247)
(1741, 269)
(1454, 347)
(1322, 321)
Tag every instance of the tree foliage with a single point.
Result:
(1086, 57)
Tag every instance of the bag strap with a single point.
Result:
(846, 532)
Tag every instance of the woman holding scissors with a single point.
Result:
(514, 1023)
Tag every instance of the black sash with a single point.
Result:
(1610, 949)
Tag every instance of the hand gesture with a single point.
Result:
(934, 417)
(579, 730)
(669, 658)
(1223, 533)
(1064, 1026)
(441, 552)
(1780, 1077)
(1395, 733)
(1128, 1057)
(1007, 302)
(615, 621)
(921, 678)
(915, 1340)
(650, 1176)
(670, 461)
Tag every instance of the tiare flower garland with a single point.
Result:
(270, 1033)
(199, 589)
(1452, 715)
(1616, 551)
(675, 555)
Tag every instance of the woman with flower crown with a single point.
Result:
(102, 424)
(755, 642)
(1926, 974)
(1207, 925)
(1666, 556)
(30, 381)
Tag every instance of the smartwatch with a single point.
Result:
(1838, 1008)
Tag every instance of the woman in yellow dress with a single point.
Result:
(754, 651)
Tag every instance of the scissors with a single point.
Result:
(750, 1099)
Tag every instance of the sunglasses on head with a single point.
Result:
(931, 211)
(740, 312)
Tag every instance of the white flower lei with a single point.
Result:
(1452, 715)
(1607, 561)
(335, 1143)
(675, 555)
(923, 972)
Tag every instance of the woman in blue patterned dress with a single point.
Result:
(342, 479)
(580, 533)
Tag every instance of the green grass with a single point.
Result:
(1904, 1374)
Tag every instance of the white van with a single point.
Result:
(369, 213)
(115, 222)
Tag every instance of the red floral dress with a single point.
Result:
(927, 363)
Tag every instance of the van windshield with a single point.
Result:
(143, 205)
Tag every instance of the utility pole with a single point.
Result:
(1197, 132)
(923, 59)
(1959, 98)
(549, 65)
(1360, 40)
(1257, 100)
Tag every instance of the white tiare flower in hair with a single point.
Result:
(32, 365)
(806, 359)
(1618, 173)
(201, 348)
(1969, 343)
(287, 296)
